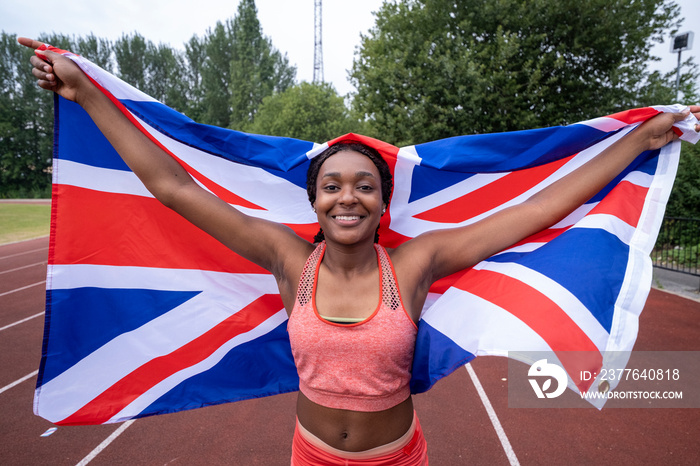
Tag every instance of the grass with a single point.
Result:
(23, 221)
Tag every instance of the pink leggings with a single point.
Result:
(409, 450)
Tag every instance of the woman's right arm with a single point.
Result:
(265, 243)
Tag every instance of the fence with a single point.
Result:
(678, 245)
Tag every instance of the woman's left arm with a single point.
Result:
(444, 252)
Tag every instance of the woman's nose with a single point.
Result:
(347, 196)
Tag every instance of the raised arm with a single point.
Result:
(441, 253)
(266, 243)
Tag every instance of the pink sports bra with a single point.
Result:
(364, 366)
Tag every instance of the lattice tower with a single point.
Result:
(318, 42)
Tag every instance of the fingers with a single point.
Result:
(31, 43)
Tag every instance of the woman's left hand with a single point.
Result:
(659, 130)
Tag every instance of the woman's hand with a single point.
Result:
(55, 72)
(658, 131)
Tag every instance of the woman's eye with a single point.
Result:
(330, 188)
(366, 188)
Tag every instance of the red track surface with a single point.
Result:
(455, 421)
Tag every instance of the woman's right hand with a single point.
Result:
(55, 72)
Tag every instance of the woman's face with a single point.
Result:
(349, 197)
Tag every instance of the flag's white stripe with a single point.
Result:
(609, 223)
(76, 386)
(479, 326)
(562, 297)
(410, 154)
(639, 178)
(575, 216)
(158, 390)
(316, 150)
(116, 86)
(99, 179)
(109, 276)
(527, 247)
(605, 124)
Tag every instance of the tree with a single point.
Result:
(97, 50)
(26, 122)
(436, 68)
(164, 80)
(216, 75)
(311, 112)
(257, 68)
(130, 54)
(195, 55)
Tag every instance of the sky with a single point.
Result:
(288, 23)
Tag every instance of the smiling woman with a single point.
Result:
(354, 405)
(23, 220)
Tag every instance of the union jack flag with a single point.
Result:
(146, 314)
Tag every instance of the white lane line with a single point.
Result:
(23, 288)
(18, 381)
(105, 443)
(25, 252)
(21, 321)
(494, 419)
(23, 267)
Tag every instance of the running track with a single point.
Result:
(460, 426)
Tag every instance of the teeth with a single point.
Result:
(346, 218)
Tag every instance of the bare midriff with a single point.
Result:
(354, 430)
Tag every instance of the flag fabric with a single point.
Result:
(146, 314)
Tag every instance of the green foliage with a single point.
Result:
(685, 196)
(26, 125)
(195, 56)
(436, 68)
(257, 69)
(678, 244)
(130, 53)
(312, 112)
(216, 75)
(154, 69)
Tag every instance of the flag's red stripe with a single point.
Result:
(492, 195)
(634, 115)
(121, 394)
(625, 201)
(217, 189)
(92, 231)
(542, 315)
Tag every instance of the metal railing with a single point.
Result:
(678, 245)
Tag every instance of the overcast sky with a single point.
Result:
(289, 23)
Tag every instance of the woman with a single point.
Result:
(353, 354)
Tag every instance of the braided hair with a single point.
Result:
(387, 181)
